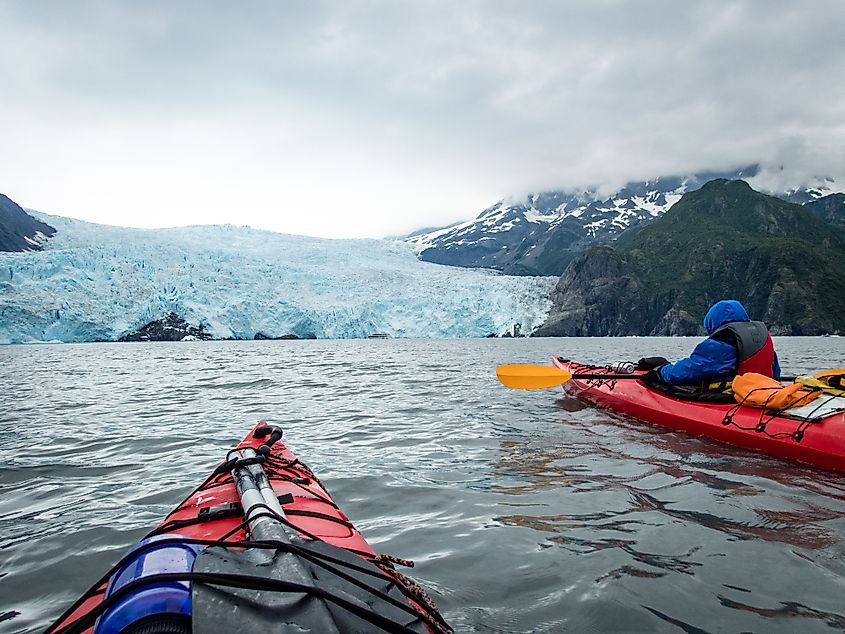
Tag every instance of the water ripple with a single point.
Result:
(524, 511)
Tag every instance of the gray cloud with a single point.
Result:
(376, 117)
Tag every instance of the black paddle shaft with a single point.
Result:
(609, 377)
(596, 375)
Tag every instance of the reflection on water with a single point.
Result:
(789, 609)
(525, 511)
(543, 467)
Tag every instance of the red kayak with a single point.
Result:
(259, 546)
(812, 435)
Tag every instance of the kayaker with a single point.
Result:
(736, 345)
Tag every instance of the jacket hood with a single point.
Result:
(723, 312)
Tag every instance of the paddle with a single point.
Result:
(524, 376)
(255, 491)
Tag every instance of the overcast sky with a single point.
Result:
(354, 119)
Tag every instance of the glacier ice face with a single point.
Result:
(95, 282)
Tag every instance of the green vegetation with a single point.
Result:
(727, 240)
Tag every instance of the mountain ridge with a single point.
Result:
(541, 234)
(725, 240)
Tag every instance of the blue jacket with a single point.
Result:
(711, 359)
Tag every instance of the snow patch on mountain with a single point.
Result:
(618, 210)
(95, 282)
(539, 233)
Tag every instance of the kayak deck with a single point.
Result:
(811, 439)
(213, 513)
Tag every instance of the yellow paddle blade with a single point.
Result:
(521, 376)
(827, 373)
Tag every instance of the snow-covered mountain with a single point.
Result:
(540, 234)
(95, 282)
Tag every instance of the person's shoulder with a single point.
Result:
(720, 338)
(717, 345)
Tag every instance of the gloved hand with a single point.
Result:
(651, 363)
(652, 376)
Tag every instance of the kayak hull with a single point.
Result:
(822, 443)
(213, 512)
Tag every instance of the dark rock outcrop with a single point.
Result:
(596, 293)
(18, 230)
(260, 336)
(171, 327)
(723, 241)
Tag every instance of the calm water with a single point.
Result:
(524, 512)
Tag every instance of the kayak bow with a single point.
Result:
(261, 546)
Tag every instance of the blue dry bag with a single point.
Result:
(160, 606)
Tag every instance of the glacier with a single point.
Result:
(97, 283)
